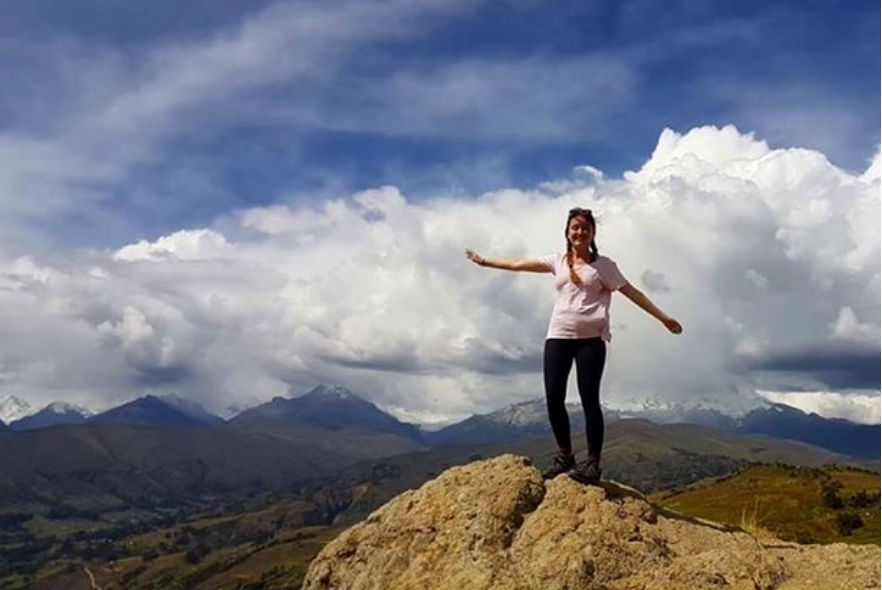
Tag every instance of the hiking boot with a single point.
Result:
(587, 472)
(560, 464)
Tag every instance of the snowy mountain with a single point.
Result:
(54, 413)
(530, 418)
(13, 408)
(700, 413)
(514, 422)
(521, 414)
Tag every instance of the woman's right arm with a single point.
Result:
(507, 263)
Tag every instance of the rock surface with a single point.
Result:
(495, 524)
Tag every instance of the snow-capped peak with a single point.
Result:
(67, 408)
(13, 408)
(337, 391)
(653, 406)
(520, 414)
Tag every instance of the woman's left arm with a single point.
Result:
(637, 296)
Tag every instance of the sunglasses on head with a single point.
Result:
(579, 211)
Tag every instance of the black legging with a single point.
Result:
(590, 354)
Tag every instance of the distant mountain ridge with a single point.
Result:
(514, 422)
(336, 408)
(778, 420)
(529, 418)
(331, 407)
(152, 410)
(835, 434)
(52, 415)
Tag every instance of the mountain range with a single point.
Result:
(336, 409)
(778, 420)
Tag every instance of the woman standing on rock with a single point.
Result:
(578, 330)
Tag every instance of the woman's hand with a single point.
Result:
(475, 257)
(672, 325)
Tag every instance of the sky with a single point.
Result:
(233, 201)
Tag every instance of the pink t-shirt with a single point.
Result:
(582, 311)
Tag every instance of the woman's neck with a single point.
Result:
(582, 254)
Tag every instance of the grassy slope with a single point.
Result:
(784, 501)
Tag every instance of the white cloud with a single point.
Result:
(848, 327)
(182, 245)
(873, 170)
(373, 291)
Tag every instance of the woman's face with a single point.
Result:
(580, 233)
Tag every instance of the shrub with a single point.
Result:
(862, 499)
(847, 522)
(196, 554)
(831, 499)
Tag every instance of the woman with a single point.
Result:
(578, 330)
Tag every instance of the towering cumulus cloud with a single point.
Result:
(769, 258)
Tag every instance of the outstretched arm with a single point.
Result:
(638, 297)
(507, 263)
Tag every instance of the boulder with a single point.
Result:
(494, 524)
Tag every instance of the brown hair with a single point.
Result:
(586, 213)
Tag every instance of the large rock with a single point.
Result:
(496, 524)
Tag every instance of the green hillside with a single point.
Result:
(802, 504)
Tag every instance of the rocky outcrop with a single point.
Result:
(495, 524)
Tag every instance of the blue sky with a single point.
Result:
(434, 98)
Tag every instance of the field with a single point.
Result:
(802, 504)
